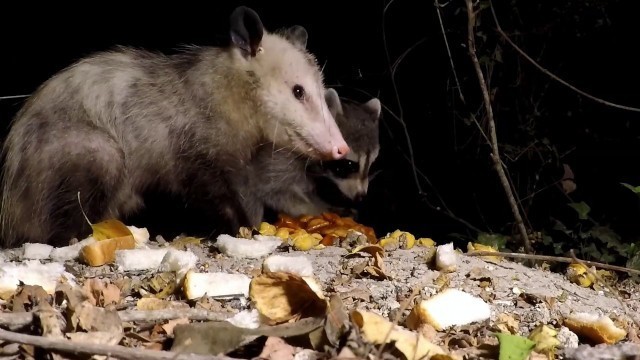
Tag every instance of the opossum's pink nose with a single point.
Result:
(340, 151)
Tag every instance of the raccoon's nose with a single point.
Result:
(359, 197)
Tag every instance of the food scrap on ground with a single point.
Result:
(308, 287)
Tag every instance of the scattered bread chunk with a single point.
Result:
(449, 308)
(104, 252)
(218, 284)
(599, 329)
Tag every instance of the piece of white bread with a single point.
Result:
(216, 284)
(449, 308)
(31, 272)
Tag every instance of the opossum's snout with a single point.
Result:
(340, 152)
(326, 140)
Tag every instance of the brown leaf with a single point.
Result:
(507, 323)
(337, 320)
(379, 330)
(148, 303)
(181, 243)
(162, 284)
(51, 322)
(221, 337)
(102, 293)
(28, 297)
(283, 296)
(96, 337)
(110, 229)
(168, 327)
(367, 249)
(90, 318)
(568, 181)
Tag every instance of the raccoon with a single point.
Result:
(100, 132)
(280, 181)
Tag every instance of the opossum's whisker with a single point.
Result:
(275, 131)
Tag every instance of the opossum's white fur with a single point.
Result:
(120, 122)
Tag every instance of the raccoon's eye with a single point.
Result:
(298, 92)
(342, 168)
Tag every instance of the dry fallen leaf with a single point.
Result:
(221, 337)
(90, 318)
(182, 242)
(471, 247)
(110, 229)
(27, 297)
(379, 330)
(161, 285)
(51, 321)
(545, 338)
(96, 337)
(149, 303)
(568, 180)
(168, 327)
(101, 293)
(507, 323)
(283, 296)
(578, 274)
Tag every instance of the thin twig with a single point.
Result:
(553, 259)
(170, 314)
(446, 44)
(495, 155)
(550, 74)
(73, 347)
(14, 321)
(397, 95)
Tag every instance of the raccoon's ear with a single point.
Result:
(373, 107)
(297, 35)
(333, 102)
(246, 30)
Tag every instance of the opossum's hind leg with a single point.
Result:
(89, 162)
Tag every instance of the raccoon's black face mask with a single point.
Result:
(342, 168)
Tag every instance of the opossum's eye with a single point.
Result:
(298, 92)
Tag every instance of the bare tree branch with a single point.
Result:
(495, 153)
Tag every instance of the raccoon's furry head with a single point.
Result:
(359, 124)
(289, 87)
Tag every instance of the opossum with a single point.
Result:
(281, 181)
(100, 132)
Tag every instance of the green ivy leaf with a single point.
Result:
(634, 262)
(610, 238)
(635, 189)
(498, 241)
(582, 209)
(593, 251)
(514, 347)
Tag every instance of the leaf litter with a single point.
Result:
(329, 288)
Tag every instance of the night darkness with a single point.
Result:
(541, 124)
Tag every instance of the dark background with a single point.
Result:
(541, 124)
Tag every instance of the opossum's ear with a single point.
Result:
(333, 102)
(373, 107)
(246, 30)
(297, 35)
